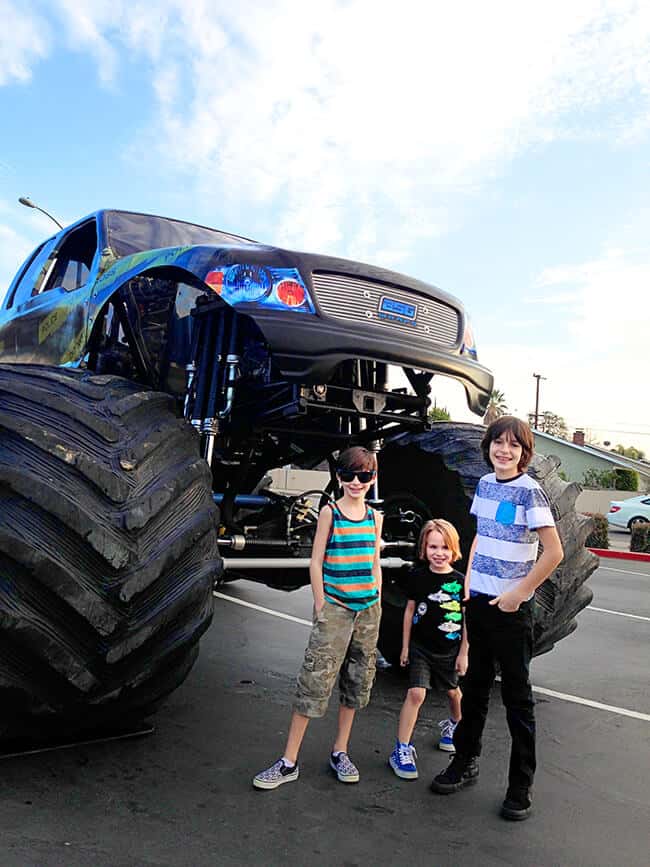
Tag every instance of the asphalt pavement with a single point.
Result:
(619, 538)
(183, 795)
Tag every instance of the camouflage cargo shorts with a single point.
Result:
(344, 643)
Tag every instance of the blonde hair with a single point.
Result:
(448, 532)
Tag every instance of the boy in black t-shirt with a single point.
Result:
(434, 641)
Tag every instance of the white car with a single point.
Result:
(624, 513)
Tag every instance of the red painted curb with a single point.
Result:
(621, 555)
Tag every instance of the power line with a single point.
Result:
(611, 425)
(641, 433)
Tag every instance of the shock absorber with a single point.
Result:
(210, 423)
(190, 369)
(222, 382)
(232, 366)
(203, 345)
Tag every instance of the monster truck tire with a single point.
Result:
(441, 468)
(107, 550)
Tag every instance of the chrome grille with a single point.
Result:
(357, 300)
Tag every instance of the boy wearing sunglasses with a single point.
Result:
(345, 578)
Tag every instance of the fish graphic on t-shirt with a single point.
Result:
(439, 597)
(451, 606)
(449, 627)
(454, 615)
(452, 587)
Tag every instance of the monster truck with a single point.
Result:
(151, 373)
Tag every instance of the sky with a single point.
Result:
(498, 151)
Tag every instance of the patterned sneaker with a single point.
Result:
(402, 761)
(447, 729)
(460, 772)
(343, 768)
(517, 805)
(274, 776)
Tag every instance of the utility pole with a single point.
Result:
(537, 376)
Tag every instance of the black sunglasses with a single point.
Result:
(364, 476)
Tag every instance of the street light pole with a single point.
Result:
(29, 204)
(537, 376)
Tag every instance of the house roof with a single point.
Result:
(642, 467)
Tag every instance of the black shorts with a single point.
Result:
(428, 671)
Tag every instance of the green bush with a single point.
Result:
(598, 538)
(627, 480)
(618, 479)
(600, 480)
(439, 413)
(640, 540)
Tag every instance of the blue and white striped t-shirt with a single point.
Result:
(507, 514)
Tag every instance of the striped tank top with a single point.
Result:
(347, 565)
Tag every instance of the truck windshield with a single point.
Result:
(129, 233)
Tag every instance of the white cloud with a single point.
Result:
(610, 303)
(20, 232)
(598, 373)
(366, 130)
(566, 298)
(85, 24)
(14, 247)
(23, 41)
(359, 126)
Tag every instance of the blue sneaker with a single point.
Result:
(402, 761)
(447, 729)
(381, 663)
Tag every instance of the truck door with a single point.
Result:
(48, 315)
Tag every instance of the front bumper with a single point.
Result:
(309, 349)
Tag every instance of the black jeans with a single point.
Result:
(507, 639)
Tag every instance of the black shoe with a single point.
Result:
(460, 772)
(517, 805)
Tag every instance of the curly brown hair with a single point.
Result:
(519, 430)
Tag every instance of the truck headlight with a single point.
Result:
(261, 286)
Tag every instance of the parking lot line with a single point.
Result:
(562, 696)
(576, 699)
(623, 571)
(262, 609)
(620, 613)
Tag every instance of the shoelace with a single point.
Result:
(447, 728)
(406, 754)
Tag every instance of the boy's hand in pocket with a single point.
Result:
(508, 602)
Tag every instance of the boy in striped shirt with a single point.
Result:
(345, 577)
(512, 515)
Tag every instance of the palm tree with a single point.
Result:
(496, 406)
